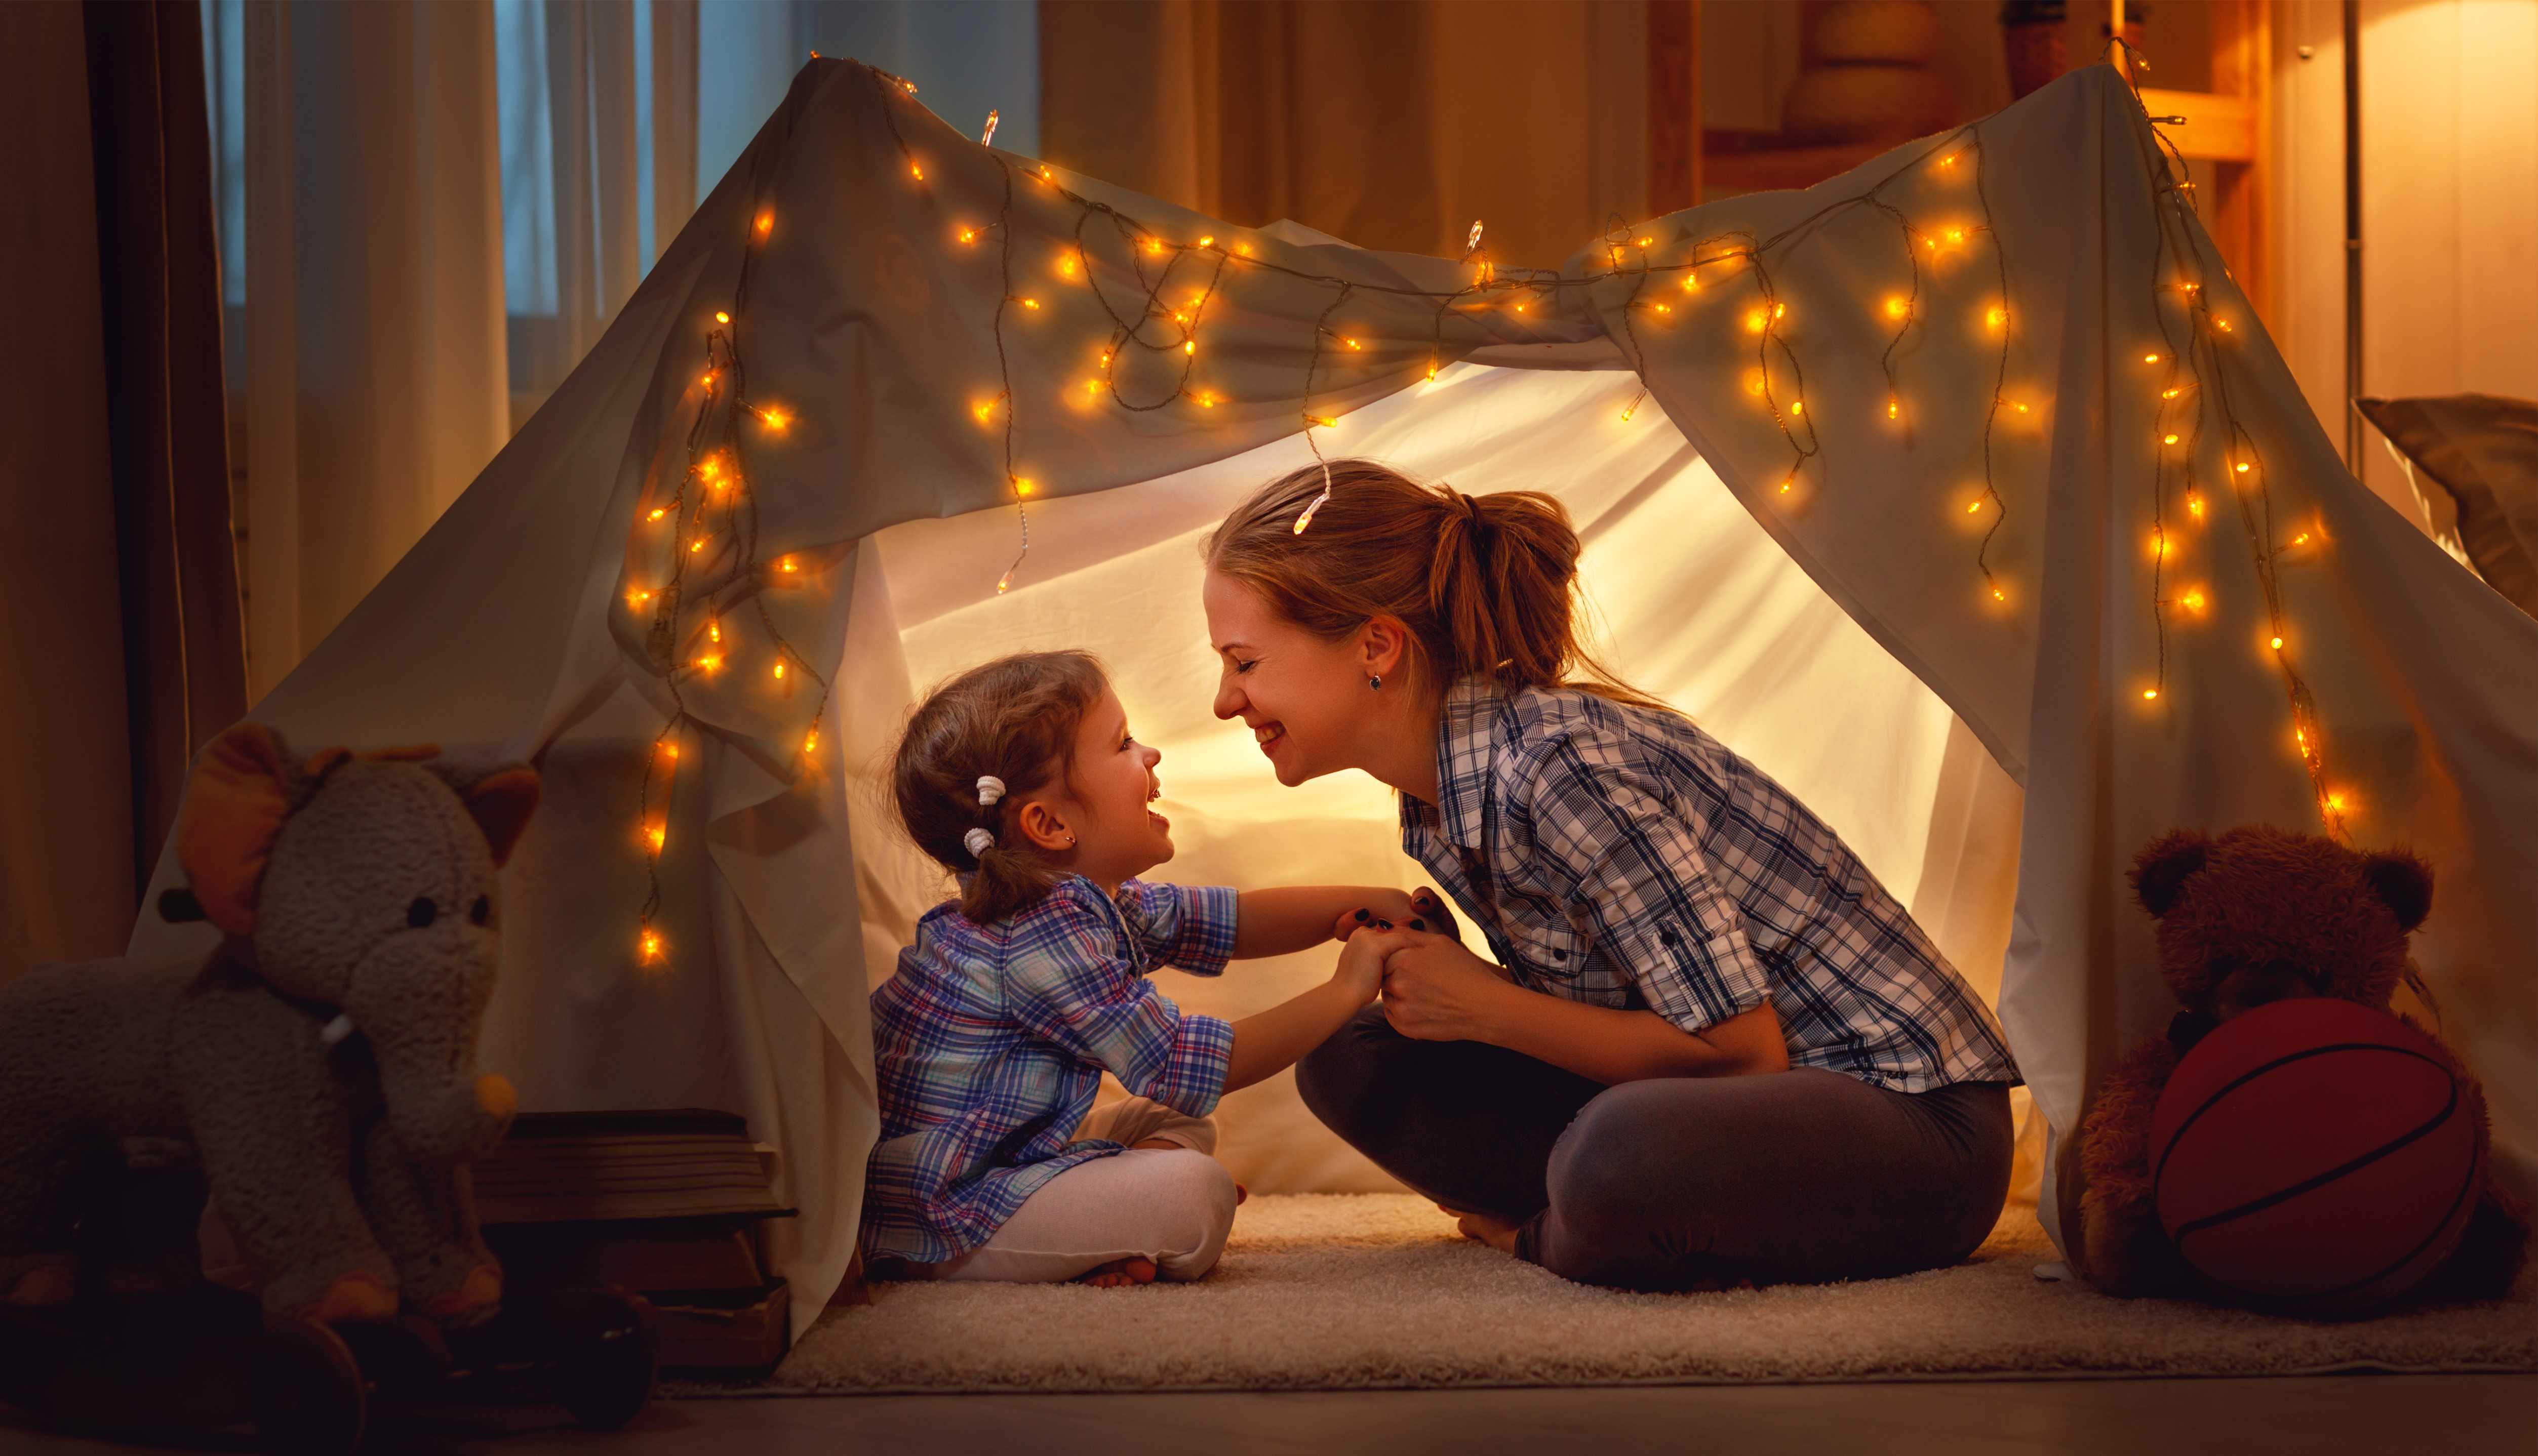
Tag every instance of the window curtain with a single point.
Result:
(1392, 125)
(129, 654)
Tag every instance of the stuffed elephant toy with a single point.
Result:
(319, 1060)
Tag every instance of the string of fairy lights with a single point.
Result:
(713, 500)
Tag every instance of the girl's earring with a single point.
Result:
(1373, 683)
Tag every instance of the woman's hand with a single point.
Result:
(1434, 990)
(1420, 910)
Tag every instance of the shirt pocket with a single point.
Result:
(1549, 952)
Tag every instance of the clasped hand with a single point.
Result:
(1433, 988)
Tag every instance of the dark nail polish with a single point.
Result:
(1383, 924)
(1419, 925)
(1361, 915)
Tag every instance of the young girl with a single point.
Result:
(1021, 777)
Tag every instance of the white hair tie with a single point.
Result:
(979, 842)
(990, 789)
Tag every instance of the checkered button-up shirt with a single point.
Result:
(990, 1040)
(1619, 856)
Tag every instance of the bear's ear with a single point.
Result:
(232, 814)
(2404, 881)
(500, 804)
(2160, 870)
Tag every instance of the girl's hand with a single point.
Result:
(1434, 990)
(1361, 967)
(1420, 910)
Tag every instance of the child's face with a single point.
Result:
(1111, 781)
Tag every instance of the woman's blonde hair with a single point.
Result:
(1014, 719)
(1486, 585)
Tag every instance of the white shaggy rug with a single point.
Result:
(1327, 1292)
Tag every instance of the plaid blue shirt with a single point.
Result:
(990, 1040)
(1622, 857)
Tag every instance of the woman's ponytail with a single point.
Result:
(1486, 585)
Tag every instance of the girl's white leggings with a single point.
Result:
(1174, 1205)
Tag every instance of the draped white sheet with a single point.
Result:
(512, 626)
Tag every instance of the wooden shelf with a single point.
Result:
(2217, 128)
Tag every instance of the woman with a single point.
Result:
(1713, 1050)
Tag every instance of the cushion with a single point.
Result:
(2481, 450)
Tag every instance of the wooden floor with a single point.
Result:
(2319, 1415)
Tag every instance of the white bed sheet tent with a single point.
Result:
(1857, 624)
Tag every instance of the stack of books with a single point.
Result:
(664, 1204)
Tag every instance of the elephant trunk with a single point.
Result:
(419, 1012)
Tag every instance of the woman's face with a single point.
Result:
(1305, 699)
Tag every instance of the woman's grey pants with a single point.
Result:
(1677, 1182)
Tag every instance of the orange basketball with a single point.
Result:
(2316, 1155)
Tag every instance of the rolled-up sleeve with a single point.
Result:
(1077, 996)
(1627, 858)
(1187, 927)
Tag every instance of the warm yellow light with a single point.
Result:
(2021, 407)
(765, 223)
(1207, 242)
(916, 172)
(1898, 306)
(1662, 308)
(1756, 320)
(983, 411)
(2168, 439)
(2301, 539)
(1777, 310)
(969, 235)
(1955, 236)
(1028, 302)
(1646, 242)
(810, 741)
(1154, 244)
(656, 512)
(1189, 346)
(1023, 487)
(669, 751)
(2335, 802)
(1519, 308)
(2150, 692)
(1244, 248)
(2150, 359)
(2169, 393)
(787, 564)
(1787, 484)
(650, 945)
(1091, 387)
(710, 467)
(779, 670)
(1207, 401)
(2243, 467)
(775, 420)
(706, 378)
(1995, 317)
(710, 661)
(713, 630)
(1756, 381)
(1325, 420)
(2194, 506)
(1973, 506)
(2222, 324)
(657, 835)
(1948, 160)
(696, 544)
(1998, 595)
(721, 317)
(2278, 644)
(638, 598)
(1797, 407)
(1893, 408)
(1066, 266)
(2193, 601)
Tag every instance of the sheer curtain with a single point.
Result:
(429, 210)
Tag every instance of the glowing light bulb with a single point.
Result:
(721, 317)
(706, 378)
(650, 945)
(1023, 487)
(1662, 308)
(810, 741)
(916, 172)
(1973, 506)
(656, 512)
(1207, 401)
(1646, 242)
(2019, 406)
(1091, 387)
(2194, 506)
(779, 671)
(775, 420)
(1207, 242)
(1777, 310)
(1066, 266)
(2301, 539)
(657, 835)
(1791, 484)
(1955, 236)
(1691, 281)
(1189, 346)
(1797, 407)
(696, 544)
(787, 564)
(765, 223)
(1898, 306)
(713, 630)
(2168, 439)
(969, 235)
(1893, 408)
(670, 751)
(2169, 393)
(1998, 595)
(1325, 420)
(2193, 601)
(2278, 644)
(1948, 160)
(1995, 317)
(2150, 359)
(2150, 692)
(2335, 802)
(1756, 320)
(983, 411)
(1028, 302)
(1352, 343)
(638, 598)
(2243, 467)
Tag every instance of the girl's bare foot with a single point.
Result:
(1497, 1232)
(1120, 1274)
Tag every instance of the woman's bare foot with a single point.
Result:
(1120, 1274)
(1497, 1232)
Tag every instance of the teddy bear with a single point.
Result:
(318, 1061)
(2256, 916)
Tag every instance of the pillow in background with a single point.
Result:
(2482, 449)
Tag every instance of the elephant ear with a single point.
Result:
(2161, 871)
(502, 803)
(232, 817)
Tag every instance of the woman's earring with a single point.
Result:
(1373, 683)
